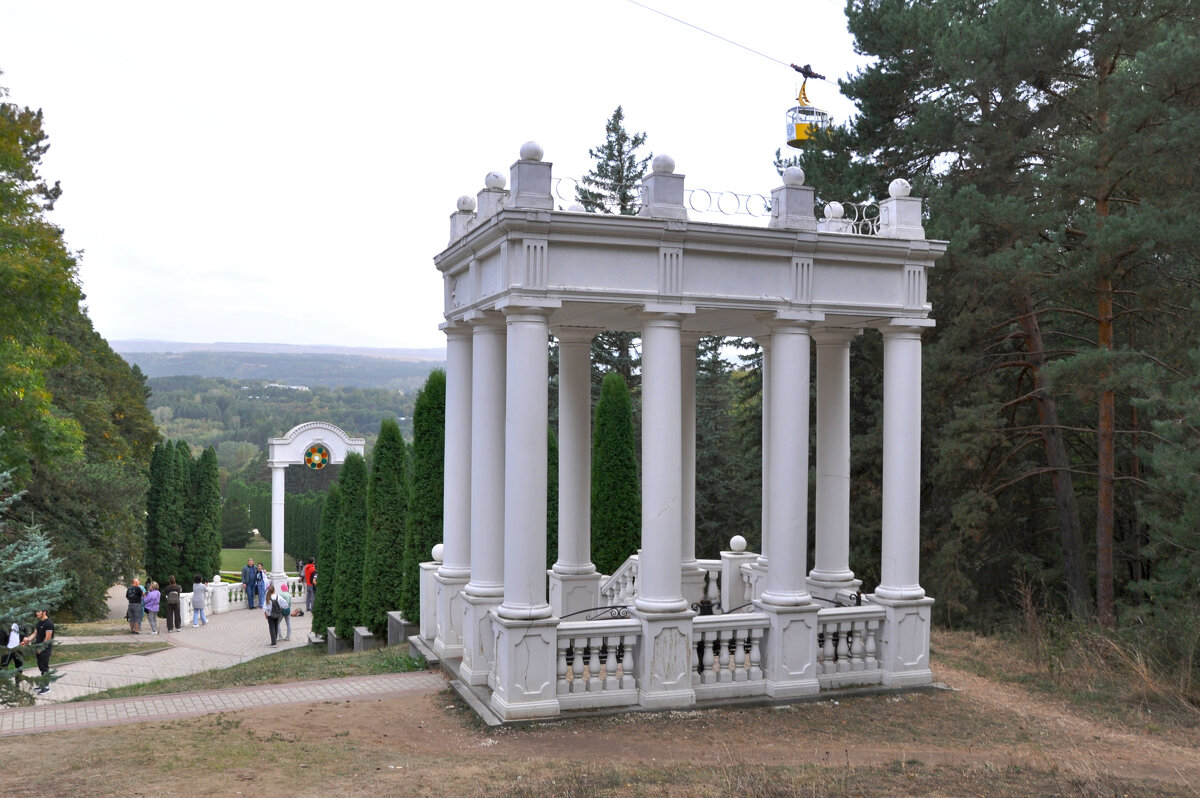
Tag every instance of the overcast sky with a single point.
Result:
(284, 172)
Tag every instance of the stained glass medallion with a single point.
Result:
(317, 456)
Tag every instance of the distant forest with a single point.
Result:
(311, 370)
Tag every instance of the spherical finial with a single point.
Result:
(577, 208)
(663, 165)
(737, 543)
(531, 151)
(899, 187)
(437, 553)
(834, 210)
(793, 177)
(495, 180)
(466, 203)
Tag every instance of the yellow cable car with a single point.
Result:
(804, 120)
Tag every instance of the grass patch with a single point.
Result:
(309, 663)
(114, 626)
(82, 651)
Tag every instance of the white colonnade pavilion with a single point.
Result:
(518, 270)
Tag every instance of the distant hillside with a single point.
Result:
(291, 368)
(141, 345)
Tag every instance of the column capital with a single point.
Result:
(483, 318)
(832, 336)
(523, 309)
(455, 328)
(574, 335)
(905, 328)
(654, 311)
(784, 320)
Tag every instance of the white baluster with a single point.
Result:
(740, 639)
(610, 662)
(708, 676)
(578, 682)
(563, 687)
(756, 673)
(843, 647)
(627, 679)
(827, 650)
(872, 630)
(725, 675)
(594, 683)
(856, 647)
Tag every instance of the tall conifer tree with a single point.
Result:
(351, 545)
(616, 497)
(425, 513)
(327, 548)
(388, 496)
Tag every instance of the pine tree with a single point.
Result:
(323, 615)
(428, 470)
(616, 496)
(351, 546)
(387, 499)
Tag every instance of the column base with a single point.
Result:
(570, 593)
(448, 642)
(823, 587)
(525, 670)
(665, 658)
(790, 650)
(904, 642)
(478, 649)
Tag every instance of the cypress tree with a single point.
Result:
(161, 466)
(327, 562)
(616, 498)
(204, 545)
(425, 511)
(387, 500)
(351, 545)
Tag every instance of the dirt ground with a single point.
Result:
(981, 737)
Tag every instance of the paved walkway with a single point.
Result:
(85, 714)
(229, 638)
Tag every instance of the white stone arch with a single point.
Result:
(293, 449)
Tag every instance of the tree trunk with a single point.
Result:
(1070, 531)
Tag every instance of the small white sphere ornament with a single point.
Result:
(466, 203)
(532, 151)
(217, 579)
(663, 165)
(495, 180)
(737, 543)
(834, 210)
(899, 188)
(793, 177)
(577, 208)
(437, 553)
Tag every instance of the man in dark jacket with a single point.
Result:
(248, 574)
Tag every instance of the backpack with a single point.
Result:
(276, 610)
(173, 597)
(133, 594)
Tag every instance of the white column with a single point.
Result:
(574, 583)
(525, 436)
(660, 589)
(831, 567)
(787, 478)
(765, 549)
(486, 588)
(452, 575)
(691, 574)
(277, 532)
(456, 515)
(899, 568)
(487, 455)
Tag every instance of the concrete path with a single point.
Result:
(86, 714)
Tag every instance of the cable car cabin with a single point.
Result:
(804, 120)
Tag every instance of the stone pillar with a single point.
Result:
(899, 568)
(789, 656)
(831, 568)
(526, 634)
(664, 650)
(904, 645)
(486, 587)
(764, 551)
(277, 531)
(455, 570)
(574, 582)
(691, 573)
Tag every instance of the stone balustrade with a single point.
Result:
(596, 664)
(848, 646)
(729, 655)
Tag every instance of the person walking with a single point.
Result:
(43, 643)
(199, 594)
(273, 613)
(248, 572)
(171, 599)
(134, 596)
(261, 584)
(12, 652)
(310, 583)
(284, 599)
(151, 603)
